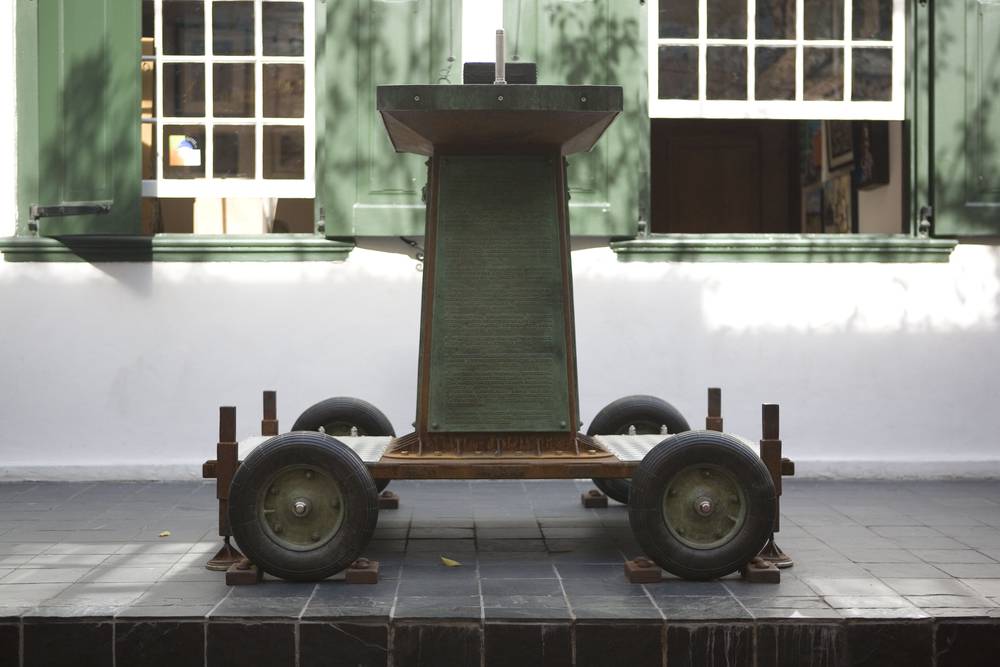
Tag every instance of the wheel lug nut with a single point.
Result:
(680, 531)
(274, 491)
(277, 528)
(309, 474)
(315, 537)
(671, 493)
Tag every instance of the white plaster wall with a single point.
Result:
(120, 368)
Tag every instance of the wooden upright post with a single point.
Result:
(770, 454)
(269, 424)
(226, 462)
(714, 420)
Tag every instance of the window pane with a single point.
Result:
(183, 28)
(284, 90)
(727, 73)
(775, 73)
(872, 19)
(233, 92)
(234, 151)
(232, 28)
(679, 18)
(775, 19)
(183, 89)
(872, 75)
(727, 19)
(824, 74)
(184, 157)
(678, 78)
(824, 19)
(284, 152)
(282, 29)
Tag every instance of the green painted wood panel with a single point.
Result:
(594, 42)
(966, 117)
(80, 112)
(363, 187)
(498, 352)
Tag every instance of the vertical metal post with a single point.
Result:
(226, 462)
(770, 454)
(501, 66)
(714, 420)
(269, 424)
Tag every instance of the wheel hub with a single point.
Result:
(300, 507)
(704, 506)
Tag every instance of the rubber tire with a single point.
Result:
(356, 485)
(645, 513)
(615, 419)
(369, 420)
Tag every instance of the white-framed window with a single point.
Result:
(233, 108)
(809, 59)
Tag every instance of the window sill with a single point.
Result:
(812, 248)
(175, 248)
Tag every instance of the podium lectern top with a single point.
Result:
(498, 119)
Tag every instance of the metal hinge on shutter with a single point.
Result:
(39, 211)
(925, 217)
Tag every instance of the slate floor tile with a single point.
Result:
(343, 645)
(796, 644)
(527, 645)
(709, 645)
(928, 586)
(902, 643)
(159, 644)
(67, 644)
(952, 556)
(675, 608)
(953, 601)
(432, 645)
(241, 644)
(853, 586)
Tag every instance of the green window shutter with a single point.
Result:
(78, 112)
(362, 185)
(965, 67)
(594, 42)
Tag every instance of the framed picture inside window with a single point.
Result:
(839, 144)
(812, 214)
(810, 152)
(838, 205)
(871, 154)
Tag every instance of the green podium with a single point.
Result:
(497, 367)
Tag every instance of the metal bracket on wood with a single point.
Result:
(64, 209)
(243, 573)
(594, 499)
(387, 500)
(362, 571)
(760, 571)
(642, 571)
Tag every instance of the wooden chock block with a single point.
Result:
(760, 571)
(387, 500)
(243, 573)
(594, 499)
(362, 571)
(642, 571)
